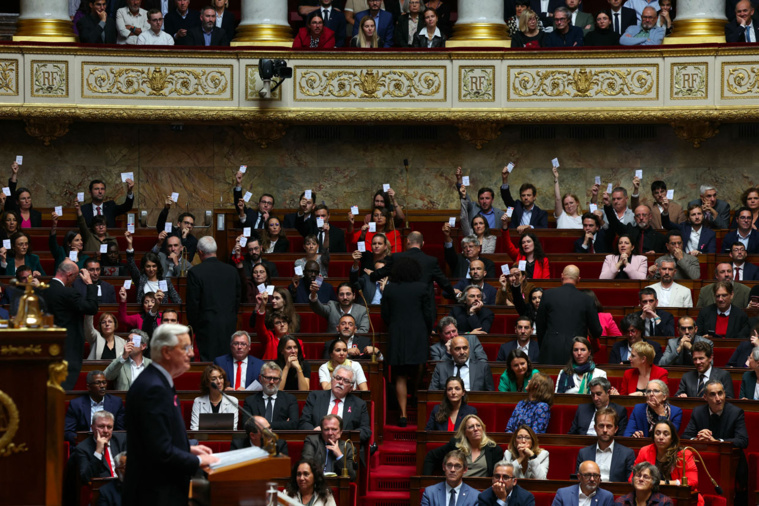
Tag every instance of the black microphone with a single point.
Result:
(265, 431)
(405, 163)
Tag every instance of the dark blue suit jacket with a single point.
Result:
(666, 327)
(552, 5)
(748, 385)
(586, 412)
(160, 462)
(638, 419)
(435, 495)
(464, 410)
(708, 241)
(505, 349)
(539, 217)
(601, 245)
(750, 272)
(110, 210)
(252, 372)
(385, 28)
(79, 414)
(622, 461)
(570, 496)
(336, 23)
(732, 237)
(518, 497)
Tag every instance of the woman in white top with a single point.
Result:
(308, 486)
(311, 245)
(338, 355)
(580, 369)
(211, 400)
(104, 345)
(529, 460)
(567, 208)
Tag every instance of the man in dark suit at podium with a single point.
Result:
(278, 408)
(68, 308)
(161, 460)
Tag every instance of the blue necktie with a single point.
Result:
(748, 34)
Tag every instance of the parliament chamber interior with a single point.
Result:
(520, 167)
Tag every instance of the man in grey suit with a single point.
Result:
(476, 375)
(124, 370)
(716, 212)
(724, 272)
(333, 310)
(678, 350)
(327, 447)
(453, 490)
(694, 382)
(614, 460)
(447, 330)
(337, 401)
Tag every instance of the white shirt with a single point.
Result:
(738, 275)
(164, 8)
(603, 459)
(123, 18)
(665, 295)
(544, 5)
(243, 372)
(756, 391)
(427, 36)
(744, 240)
(136, 369)
(707, 375)
(525, 348)
(149, 38)
(585, 500)
(527, 216)
(96, 406)
(273, 401)
(695, 238)
(574, 17)
(464, 372)
(331, 405)
(448, 489)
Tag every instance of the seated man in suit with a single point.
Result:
(82, 409)
(584, 420)
(686, 266)
(657, 322)
(372, 290)
(594, 239)
(723, 272)
(723, 319)
(358, 346)
(621, 17)
(255, 219)
(124, 370)
(719, 420)
(614, 460)
(447, 329)
(470, 251)
(644, 238)
(338, 400)
(505, 489)
(523, 341)
(526, 213)
(669, 293)
(110, 493)
(207, 34)
(333, 17)
(742, 29)
(100, 207)
(472, 316)
(304, 212)
(328, 448)
(742, 235)
(700, 238)
(241, 368)
(96, 455)
(716, 212)
(477, 273)
(587, 491)
(280, 409)
(579, 18)
(693, 383)
(178, 21)
(475, 375)
(97, 27)
(383, 21)
(679, 349)
(253, 436)
(332, 310)
(106, 292)
(300, 289)
(309, 225)
(631, 326)
(182, 229)
(453, 490)
(742, 269)
(659, 193)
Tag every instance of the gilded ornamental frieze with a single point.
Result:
(371, 83)
(9, 78)
(740, 80)
(583, 82)
(157, 81)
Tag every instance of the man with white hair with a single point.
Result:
(716, 212)
(96, 455)
(162, 460)
(213, 296)
(505, 489)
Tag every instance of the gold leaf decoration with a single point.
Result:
(8, 77)
(371, 84)
(157, 82)
(583, 83)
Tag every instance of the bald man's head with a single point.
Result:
(415, 240)
(570, 274)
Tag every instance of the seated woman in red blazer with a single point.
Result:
(530, 250)
(642, 370)
(314, 35)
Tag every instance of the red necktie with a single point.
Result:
(238, 375)
(738, 274)
(99, 212)
(107, 456)
(592, 249)
(335, 407)
(640, 245)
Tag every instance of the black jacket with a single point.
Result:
(90, 31)
(284, 415)
(218, 37)
(433, 462)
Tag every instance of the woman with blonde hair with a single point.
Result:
(567, 209)
(367, 35)
(524, 452)
(530, 34)
(482, 453)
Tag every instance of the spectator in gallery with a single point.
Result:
(367, 35)
(430, 36)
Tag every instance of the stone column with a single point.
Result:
(264, 23)
(698, 22)
(480, 24)
(44, 21)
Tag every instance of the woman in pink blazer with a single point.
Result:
(625, 265)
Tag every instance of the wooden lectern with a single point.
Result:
(245, 483)
(32, 406)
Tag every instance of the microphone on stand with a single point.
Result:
(717, 488)
(270, 437)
